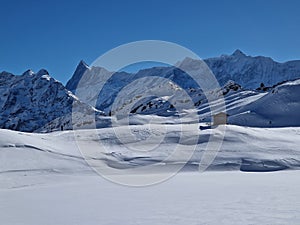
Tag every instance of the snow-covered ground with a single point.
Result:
(134, 146)
(45, 180)
(188, 198)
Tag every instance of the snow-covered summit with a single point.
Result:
(28, 73)
(42, 72)
(250, 71)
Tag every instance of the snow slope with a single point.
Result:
(243, 148)
(279, 108)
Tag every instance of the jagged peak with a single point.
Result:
(238, 53)
(80, 69)
(42, 72)
(28, 72)
(82, 64)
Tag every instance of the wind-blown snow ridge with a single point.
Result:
(246, 149)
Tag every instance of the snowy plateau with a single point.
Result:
(48, 144)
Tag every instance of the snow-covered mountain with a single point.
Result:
(118, 80)
(250, 71)
(246, 71)
(33, 100)
(37, 102)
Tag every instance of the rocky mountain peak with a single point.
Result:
(238, 53)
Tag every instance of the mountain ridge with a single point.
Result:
(37, 102)
(33, 100)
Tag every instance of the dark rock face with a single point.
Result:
(30, 101)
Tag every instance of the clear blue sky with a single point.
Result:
(56, 35)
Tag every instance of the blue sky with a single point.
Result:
(56, 35)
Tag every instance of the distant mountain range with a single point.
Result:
(249, 71)
(37, 102)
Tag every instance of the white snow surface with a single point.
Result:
(211, 198)
(44, 179)
(262, 148)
